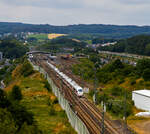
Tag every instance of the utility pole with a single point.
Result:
(39, 69)
(46, 76)
(94, 97)
(103, 116)
(125, 113)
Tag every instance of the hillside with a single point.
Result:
(109, 31)
(58, 45)
(135, 45)
(29, 105)
(12, 48)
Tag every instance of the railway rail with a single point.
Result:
(86, 111)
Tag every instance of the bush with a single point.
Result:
(104, 77)
(91, 93)
(49, 103)
(121, 80)
(133, 81)
(16, 93)
(26, 69)
(117, 108)
(20, 114)
(55, 101)
(142, 65)
(146, 74)
(47, 86)
(84, 69)
(7, 123)
(100, 98)
(52, 111)
(116, 91)
(4, 102)
(62, 114)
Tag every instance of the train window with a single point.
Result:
(80, 90)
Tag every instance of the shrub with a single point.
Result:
(104, 77)
(55, 101)
(47, 86)
(146, 74)
(26, 69)
(49, 103)
(29, 129)
(7, 123)
(117, 64)
(91, 93)
(52, 111)
(62, 114)
(142, 65)
(117, 108)
(121, 80)
(16, 93)
(4, 102)
(20, 114)
(133, 81)
(116, 91)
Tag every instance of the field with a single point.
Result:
(53, 36)
(39, 36)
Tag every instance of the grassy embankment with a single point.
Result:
(113, 80)
(50, 118)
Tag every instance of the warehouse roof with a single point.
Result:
(143, 92)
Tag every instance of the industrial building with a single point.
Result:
(141, 99)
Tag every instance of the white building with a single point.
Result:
(141, 99)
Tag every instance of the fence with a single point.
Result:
(75, 121)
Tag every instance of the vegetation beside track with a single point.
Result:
(42, 113)
(113, 81)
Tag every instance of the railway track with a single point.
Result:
(82, 112)
(86, 111)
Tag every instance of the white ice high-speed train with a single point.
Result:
(30, 56)
(77, 88)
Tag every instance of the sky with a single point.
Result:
(66, 12)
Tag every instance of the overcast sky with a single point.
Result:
(64, 12)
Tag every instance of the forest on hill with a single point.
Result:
(12, 48)
(58, 45)
(107, 31)
(136, 45)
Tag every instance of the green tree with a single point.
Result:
(29, 129)
(26, 69)
(146, 74)
(116, 91)
(147, 49)
(7, 123)
(117, 64)
(142, 65)
(20, 114)
(16, 93)
(4, 102)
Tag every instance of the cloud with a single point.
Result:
(46, 3)
(134, 2)
(63, 12)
